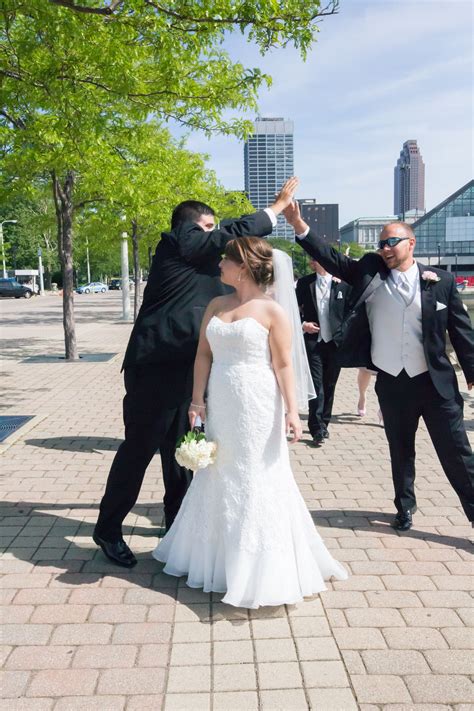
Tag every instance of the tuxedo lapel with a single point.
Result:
(428, 303)
(373, 284)
(312, 291)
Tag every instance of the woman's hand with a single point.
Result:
(196, 410)
(293, 424)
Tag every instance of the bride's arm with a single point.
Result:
(202, 368)
(280, 348)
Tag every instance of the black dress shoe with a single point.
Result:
(403, 521)
(318, 440)
(326, 434)
(118, 552)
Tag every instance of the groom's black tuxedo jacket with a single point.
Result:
(365, 276)
(307, 301)
(183, 279)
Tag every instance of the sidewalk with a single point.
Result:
(82, 634)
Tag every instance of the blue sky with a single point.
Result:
(381, 72)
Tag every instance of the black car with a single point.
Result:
(13, 289)
(116, 284)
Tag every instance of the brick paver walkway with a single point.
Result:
(82, 634)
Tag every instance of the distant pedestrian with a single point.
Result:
(322, 300)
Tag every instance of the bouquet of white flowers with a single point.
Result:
(194, 451)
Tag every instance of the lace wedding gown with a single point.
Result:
(243, 527)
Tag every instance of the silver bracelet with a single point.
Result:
(193, 404)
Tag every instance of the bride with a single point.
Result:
(243, 528)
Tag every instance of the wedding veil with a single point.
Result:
(283, 291)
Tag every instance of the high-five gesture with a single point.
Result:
(285, 196)
(293, 217)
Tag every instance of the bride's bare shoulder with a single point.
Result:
(274, 312)
(219, 303)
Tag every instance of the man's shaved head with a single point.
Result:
(397, 229)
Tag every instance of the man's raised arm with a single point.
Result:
(194, 244)
(333, 261)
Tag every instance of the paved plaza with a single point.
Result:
(80, 633)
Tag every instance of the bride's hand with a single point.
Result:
(293, 424)
(194, 411)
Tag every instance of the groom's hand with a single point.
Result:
(310, 327)
(293, 217)
(285, 196)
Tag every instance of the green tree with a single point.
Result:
(75, 74)
(298, 256)
(353, 249)
(35, 229)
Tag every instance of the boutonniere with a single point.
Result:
(335, 280)
(430, 277)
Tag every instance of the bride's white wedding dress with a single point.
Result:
(243, 527)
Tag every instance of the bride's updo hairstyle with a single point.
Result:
(257, 256)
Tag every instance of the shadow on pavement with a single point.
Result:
(91, 445)
(37, 318)
(40, 529)
(377, 521)
(18, 348)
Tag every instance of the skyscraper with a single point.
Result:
(409, 183)
(268, 161)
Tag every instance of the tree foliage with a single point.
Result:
(82, 79)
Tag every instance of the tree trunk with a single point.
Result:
(64, 215)
(136, 269)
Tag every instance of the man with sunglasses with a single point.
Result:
(397, 325)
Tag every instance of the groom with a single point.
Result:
(158, 365)
(398, 324)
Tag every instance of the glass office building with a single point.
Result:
(446, 233)
(268, 162)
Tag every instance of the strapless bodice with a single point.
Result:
(241, 342)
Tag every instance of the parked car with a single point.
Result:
(116, 284)
(94, 287)
(13, 289)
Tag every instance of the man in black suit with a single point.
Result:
(322, 300)
(397, 325)
(159, 359)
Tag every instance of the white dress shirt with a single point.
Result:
(323, 293)
(271, 215)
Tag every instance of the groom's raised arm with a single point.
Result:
(333, 261)
(196, 245)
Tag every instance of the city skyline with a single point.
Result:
(379, 74)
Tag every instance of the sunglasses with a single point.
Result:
(391, 242)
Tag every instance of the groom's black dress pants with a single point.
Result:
(155, 415)
(403, 400)
(324, 374)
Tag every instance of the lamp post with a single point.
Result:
(439, 255)
(88, 264)
(40, 271)
(125, 277)
(12, 222)
(456, 266)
